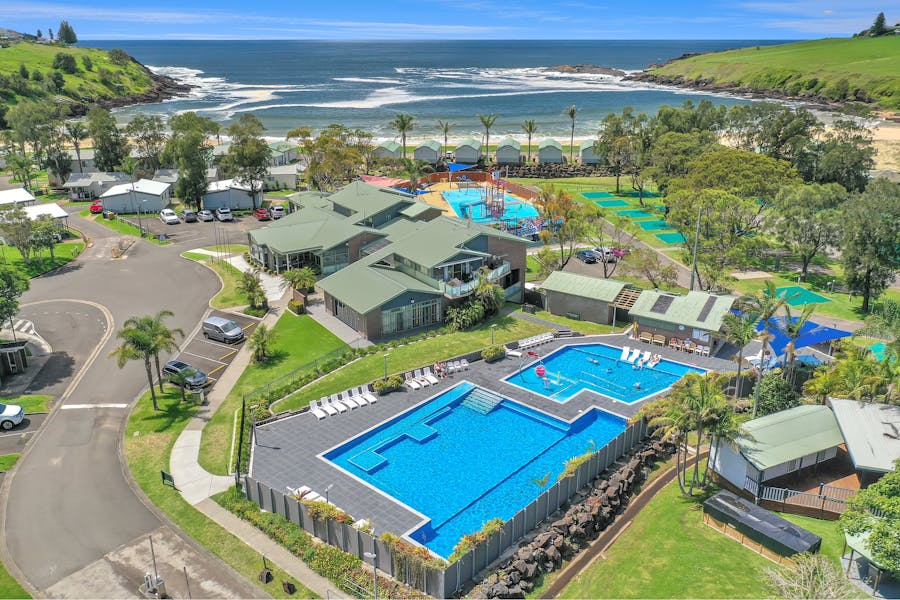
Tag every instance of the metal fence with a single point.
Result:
(437, 583)
(295, 375)
(830, 499)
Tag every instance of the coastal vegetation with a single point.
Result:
(862, 69)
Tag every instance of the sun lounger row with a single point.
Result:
(416, 380)
(650, 338)
(688, 346)
(304, 492)
(535, 340)
(346, 401)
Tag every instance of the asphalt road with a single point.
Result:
(69, 502)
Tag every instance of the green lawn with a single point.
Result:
(228, 296)
(228, 248)
(668, 552)
(149, 437)
(40, 261)
(32, 403)
(9, 587)
(7, 461)
(300, 340)
(410, 356)
(585, 327)
(122, 227)
(195, 256)
(832, 538)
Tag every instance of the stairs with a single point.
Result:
(482, 401)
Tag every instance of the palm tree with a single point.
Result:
(487, 121)
(739, 330)
(530, 128)
(402, 123)
(702, 397)
(445, 127)
(490, 295)
(764, 304)
(571, 112)
(261, 341)
(722, 430)
(162, 338)
(669, 421)
(250, 285)
(137, 344)
(300, 280)
(792, 329)
(180, 380)
(76, 132)
(414, 170)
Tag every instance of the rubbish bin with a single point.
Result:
(110, 215)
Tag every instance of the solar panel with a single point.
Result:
(662, 304)
(710, 302)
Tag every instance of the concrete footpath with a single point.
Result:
(197, 484)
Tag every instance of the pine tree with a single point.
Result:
(878, 26)
(40, 33)
(66, 34)
(50, 34)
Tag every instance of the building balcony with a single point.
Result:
(464, 289)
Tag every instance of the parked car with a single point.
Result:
(222, 330)
(606, 254)
(205, 215)
(96, 207)
(189, 215)
(586, 256)
(223, 213)
(11, 415)
(194, 378)
(168, 216)
(277, 211)
(262, 214)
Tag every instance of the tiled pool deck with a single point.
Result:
(287, 452)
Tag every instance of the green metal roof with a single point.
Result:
(603, 290)
(282, 146)
(788, 435)
(700, 310)
(365, 199)
(870, 432)
(416, 209)
(549, 143)
(509, 142)
(433, 144)
(471, 142)
(390, 145)
(442, 238)
(365, 288)
(586, 144)
(319, 234)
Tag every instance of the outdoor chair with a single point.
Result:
(659, 339)
(336, 402)
(349, 400)
(626, 350)
(647, 337)
(634, 355)
(513, 353)
(464, 364)
(326, 406)
(317, 412)
(365, 393)
(421, 378)
(412, 383)
(356, 397)
(427, 374)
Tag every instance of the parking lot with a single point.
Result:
(234, 232)
(214, 357)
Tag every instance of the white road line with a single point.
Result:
(99, 405)
(205, 358)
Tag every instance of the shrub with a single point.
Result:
(37, 75)
(469, 541)
(775, 394)
(492, 353)
(88, 63)
(117, 56)
(385, 386)
(56, 79)
(296, 307)
(65, 62)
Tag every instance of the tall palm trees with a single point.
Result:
(530, 128)
(740, 330)
(792, 329)
(764, 304)
(490, 295)
(301, 279)
(402, 124)
(76, 132)
(571, 113)
(163, 338)
(137, 344)
(261, 341)
(414, 170)
(487, 121)
(445, 127)
(145, 338)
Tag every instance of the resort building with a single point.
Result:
(468, 151)
(284, 177)
(232, 194)
(587, 298)
(282, 153)
(388, 149)
(330, 231)
(429, 151)
(84, 165)
(550, 152)
(17, 196)
(85, 186)
(144, 196)
(212, 174)
(51, 209)
(169, 176)
(695, 317)
(588, 154)
(509, 152)
(870, 431)
(416, 271)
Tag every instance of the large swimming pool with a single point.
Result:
(460, 468)
(597, 367)
(469, 203)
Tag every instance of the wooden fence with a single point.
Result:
(437, 583)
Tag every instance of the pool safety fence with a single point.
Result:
(456, 576)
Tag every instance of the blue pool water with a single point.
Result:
(597, 367)
(469, 203)
(461, 468)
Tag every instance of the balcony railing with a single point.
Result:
(464, 289)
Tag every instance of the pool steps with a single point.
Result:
(482, 401)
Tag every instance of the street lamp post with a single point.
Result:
(493, 327)
(374, 557)
(328, 489)
(385, 365)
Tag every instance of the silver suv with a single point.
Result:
(223, 213)
(194, 378)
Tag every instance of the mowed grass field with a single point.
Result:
(805, 68)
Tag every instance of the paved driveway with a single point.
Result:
(213, 357)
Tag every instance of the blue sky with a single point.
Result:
(448, 19)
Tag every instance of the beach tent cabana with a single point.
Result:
(389, 149)
(587, 153)
(509, 152)
(550, 152)
(429, 151)
(468, 151)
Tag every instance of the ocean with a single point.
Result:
(363, 84)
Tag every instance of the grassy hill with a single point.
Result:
(107, 83)
(829, 70)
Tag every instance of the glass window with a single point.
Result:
(411, 316)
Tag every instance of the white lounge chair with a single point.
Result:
(317, 412)
(421, 378)
(427, 374)
(325, 405)
(336, 402)
(300, 491)
(645, 358)
(349, 400)
(704, 350)
(313, 497)
(356, 397)
(464, 364)
(365, 393)
(513, 353)
(412, 383)
(634, 355)
(625, 351)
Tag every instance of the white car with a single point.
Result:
(205, 215)
(223, 213)
(11, 415)
(168, 216)
(277, 211)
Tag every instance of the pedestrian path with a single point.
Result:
(272, 285)
(316, 310)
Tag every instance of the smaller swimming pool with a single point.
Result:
(599, 368)
(470, 203)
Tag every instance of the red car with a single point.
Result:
(262, 214)
(96, 207)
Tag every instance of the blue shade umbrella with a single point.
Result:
(809, 360)
(810, 334)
